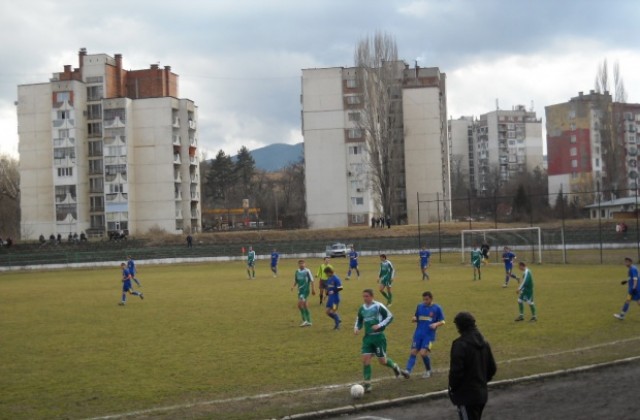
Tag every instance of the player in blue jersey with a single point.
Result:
(428, 317)
(274, 262)
(633, 288)
(333, 289)
(425, 254)
(353, 262)
(126, 285)
(508, 257)
(131, 266)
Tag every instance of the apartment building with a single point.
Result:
(339, 184)
(105, 149)
(497, 146)
(592, 146)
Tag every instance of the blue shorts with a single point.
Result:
(353, 264)
(424, 265)
(421, 341)
(634, 295)
(126, 286)
(333, 301)
(508, 268)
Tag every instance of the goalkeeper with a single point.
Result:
(632, 288)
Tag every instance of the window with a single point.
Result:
(353, 100)
(354, 116)
(352, 83)
(95, 166)
(357, 218)
(574, 163)
(63, 115)
(94, 93)
(116, 169)
(355, 150)
(63, 133)
(354, 133)
(116, 188)
(94, 79)
(357, 201)
(94, 129)
(63, 152)
(95, 148)
(65, 171)
(110, 114)
(573, 138)
(114, 151)
(573, 151)
(573, 127)
(597, 162)
(96, 185)
(94, 112)
(62, 97)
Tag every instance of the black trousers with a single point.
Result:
(470, 412)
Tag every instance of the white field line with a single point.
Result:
(336, 386)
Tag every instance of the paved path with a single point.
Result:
(602, 393)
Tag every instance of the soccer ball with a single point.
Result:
(357, 391)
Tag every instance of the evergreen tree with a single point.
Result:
(244, 170)
(220, 178)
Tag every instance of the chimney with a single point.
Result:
(591, 92)
(119, 90)
(81, 54)
(67, 68)
(167, 78)
(154, 67)
(580, 94)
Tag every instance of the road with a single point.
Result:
(602, 393)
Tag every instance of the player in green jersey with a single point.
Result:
(525, 293)
(476, 260)
(385, 278)
(303, 280)
(251, 263)
(373, 317)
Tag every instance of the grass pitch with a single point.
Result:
(206, 337)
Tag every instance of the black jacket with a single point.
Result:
(472, 366)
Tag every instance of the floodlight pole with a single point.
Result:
(439, 233)
(419, 237)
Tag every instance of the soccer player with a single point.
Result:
(333, 287)
(126, 285)
(322, 277)
(508, 258)
(633, 288)
(251, 263)
(374, 317)
(353, 262)
(385, 278)
(428, 317)
(476, 260)
(525, 293)
(425, 254)
(303, 279)
(485, 247)
(131, 266)
(274, 262)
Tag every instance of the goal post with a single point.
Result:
(527, 241)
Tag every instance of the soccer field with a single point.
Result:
(205, 336)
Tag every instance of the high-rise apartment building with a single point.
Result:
(106, 149)
(592, 146)
(496, 147)
(338, 175)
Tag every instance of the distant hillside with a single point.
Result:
(276, 156)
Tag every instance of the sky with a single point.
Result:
(240, 61)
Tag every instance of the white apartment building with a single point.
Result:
(499, 144)
(338, 181)
(105, 149)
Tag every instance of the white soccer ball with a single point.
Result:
(357, 391)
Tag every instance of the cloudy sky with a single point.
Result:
(241, 60)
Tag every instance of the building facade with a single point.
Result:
(592, 147)
(496, 147)
(104, 149)
(339, 185)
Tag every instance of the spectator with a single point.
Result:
(189, 241)
(472, 367)
(75, 237)
(41, 239)
(624, 228)
(83, 237)
(9, 242)
(59, 238)
(388, 222)
(373, 221)
(52, 239)
(70, 238)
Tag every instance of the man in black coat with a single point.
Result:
(472, 366)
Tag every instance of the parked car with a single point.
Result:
(336, 250)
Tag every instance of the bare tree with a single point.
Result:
(618, 84)
(9, 197)
(379, 75)
(602, 83)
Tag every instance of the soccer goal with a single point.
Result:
(526, 243)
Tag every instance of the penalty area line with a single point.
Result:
(345, 385)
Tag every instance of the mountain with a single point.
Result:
(276, 156)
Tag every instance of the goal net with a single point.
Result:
(526, 243)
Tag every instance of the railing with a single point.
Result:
(176, 140)
(178, 195)
(61, 122)
(65, 142)
(195, 195)
(65, 161)
(193, 142)
(178, 215)
(176, 159)
(117, 197)
(65, 199)
(96, 209)
(192, 125)
(176, 122)
(193, 160)
(116, 122)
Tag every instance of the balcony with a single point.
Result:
(96, 209)
(117, 197)
(195, 196)
(176, 140)
(193, 160)
(195, 179)
(192, 125)
(193, 142)
(65, 161)
(176, 159)
(118, 178)
(177, 195)
(177, 178)
(115, 141)
(63, 123)
(178, 214)
(195, 214)
(66, 142)
(65, 199)
(176, 122)
(115, 160)
(114, 123)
